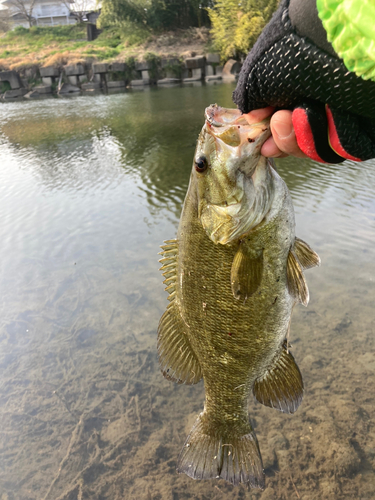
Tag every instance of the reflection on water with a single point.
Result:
(89, 188)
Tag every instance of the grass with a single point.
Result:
(23, 48)
(56, 45)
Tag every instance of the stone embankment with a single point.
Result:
(89, 77)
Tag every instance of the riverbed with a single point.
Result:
(89, 189)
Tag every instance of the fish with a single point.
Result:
(234, 273)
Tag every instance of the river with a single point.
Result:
(89, 189)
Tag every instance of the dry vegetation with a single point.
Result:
(60, 45)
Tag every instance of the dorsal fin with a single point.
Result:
(281, 386)
(297, 285)
(169, 255)
(177, 359)
(305, 254)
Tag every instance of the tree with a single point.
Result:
(237, 24)
(79, 8)
(23, 8)
(5, 23)
(155, 15)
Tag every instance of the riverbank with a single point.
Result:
(46, 60)
(39, 47)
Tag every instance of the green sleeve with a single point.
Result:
(350, 27)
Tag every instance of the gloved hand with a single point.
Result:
(293, 66)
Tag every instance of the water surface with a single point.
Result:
(89, 189)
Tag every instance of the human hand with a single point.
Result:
(331, 109)
(283, 141)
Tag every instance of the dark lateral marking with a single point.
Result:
(249, 139)
(274, 302)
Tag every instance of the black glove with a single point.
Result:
(293, 66)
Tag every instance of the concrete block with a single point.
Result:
(74, 70)
(197, 73)
(209, 70)
(172, 67)
(73, 80)
(213, 58)
(191, 79)
(145, 76)
(117, 66)
(14, 94)
(172, 61)
(97, 78)
(137, 83)
(67, 88)
(115, 85)
(195, 62)
(91, 86)
(100, 68)
(47, 80)
(142, 66)
(43, 89)
(168, 81)
(212, 78)
(49, 71)
(12, 77)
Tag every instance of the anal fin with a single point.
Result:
(305, 254)
(246, 273)
(281, 387)
(297, 285)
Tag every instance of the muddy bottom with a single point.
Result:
(96, 419)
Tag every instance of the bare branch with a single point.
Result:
(24, 8)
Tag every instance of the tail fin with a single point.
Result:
(235, 458)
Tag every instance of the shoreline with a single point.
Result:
(116, 76)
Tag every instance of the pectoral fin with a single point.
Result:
(297, 285)
(177, 359)
(246, 273)
(305, 254)
(281, 387)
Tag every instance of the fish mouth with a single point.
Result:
(219, 117)
(235, 129)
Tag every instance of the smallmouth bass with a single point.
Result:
(234, 274)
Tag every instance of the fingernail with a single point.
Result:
(282, 128)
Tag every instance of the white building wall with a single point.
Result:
(46, 13)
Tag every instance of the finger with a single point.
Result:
(270, 149)
(257, 115)
(283, 133)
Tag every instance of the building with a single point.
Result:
(43, 12)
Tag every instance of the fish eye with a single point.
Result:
(201, 164)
